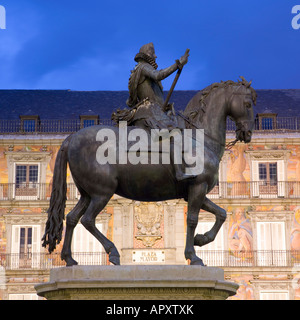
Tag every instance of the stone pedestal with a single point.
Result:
(137, 282)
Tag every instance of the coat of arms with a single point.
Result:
(148, 218)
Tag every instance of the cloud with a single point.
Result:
(90, 45)
(88, 73)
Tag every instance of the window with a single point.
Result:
(271, 243)
(25, 246)
(25, 240)
(267, 123)
(26, 180)
(87, 121)
(25, 249)
(268, 179)
(86, 248)
(212, 254)
(265, 120)
(26, 173)
(24, 296)
(268, 173)
(273, 295)
(29, 123)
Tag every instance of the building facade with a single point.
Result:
(259, 186)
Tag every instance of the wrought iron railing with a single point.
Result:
(226, 190)
(46, 126)
(256, 189)
(254, 258)
(33, 191)
(280, 124)
(217, 258)
(14, 261)
(67, 126)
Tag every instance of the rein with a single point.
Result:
(228, 146)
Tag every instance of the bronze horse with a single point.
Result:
(208, 110)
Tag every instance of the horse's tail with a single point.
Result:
(56, 211)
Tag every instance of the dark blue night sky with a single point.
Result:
(90, 45)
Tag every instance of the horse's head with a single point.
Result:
(240, 109)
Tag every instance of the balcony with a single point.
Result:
(224, 190)
(68, 126)
(255, 258)
(256, 189)
(33, 191)
(34, 261)
(216, 258)
(46, 126)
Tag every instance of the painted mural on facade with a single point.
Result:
(240, 235)
(148, 231)
(295, 232)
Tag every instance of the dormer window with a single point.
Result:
(266, 121)
(29, 123)
(88, 120)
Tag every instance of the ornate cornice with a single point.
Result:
(270, 215)
(272, 284)
(20, 219)
(277, 154)
(14, 156)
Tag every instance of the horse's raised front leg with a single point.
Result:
(196, 196)
(203, 239)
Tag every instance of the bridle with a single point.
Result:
(239, 125)
(227, 146)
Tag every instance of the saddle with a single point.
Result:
(149, 115)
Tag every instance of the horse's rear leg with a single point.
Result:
(196, 197)
(71, 221)
(203, 239)
(89, 222)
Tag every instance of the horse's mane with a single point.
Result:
(192, 110)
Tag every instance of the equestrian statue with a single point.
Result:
(147, 109)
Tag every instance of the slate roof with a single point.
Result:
(68, 104)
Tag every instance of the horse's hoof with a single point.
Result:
(197, 262)
(71, 264)
(69, 261)
(200, 240)
(114, 260)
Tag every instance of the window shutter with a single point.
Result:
(25, 296)
(281, 178)
(263, 242)
(16, 296)
(271, 244)
(255, 179)
(274, 295)
(36, 236)
(263, 236)
(87, 249)
(278, 243)
(213, 252)
(15, 247)
(278, 235)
